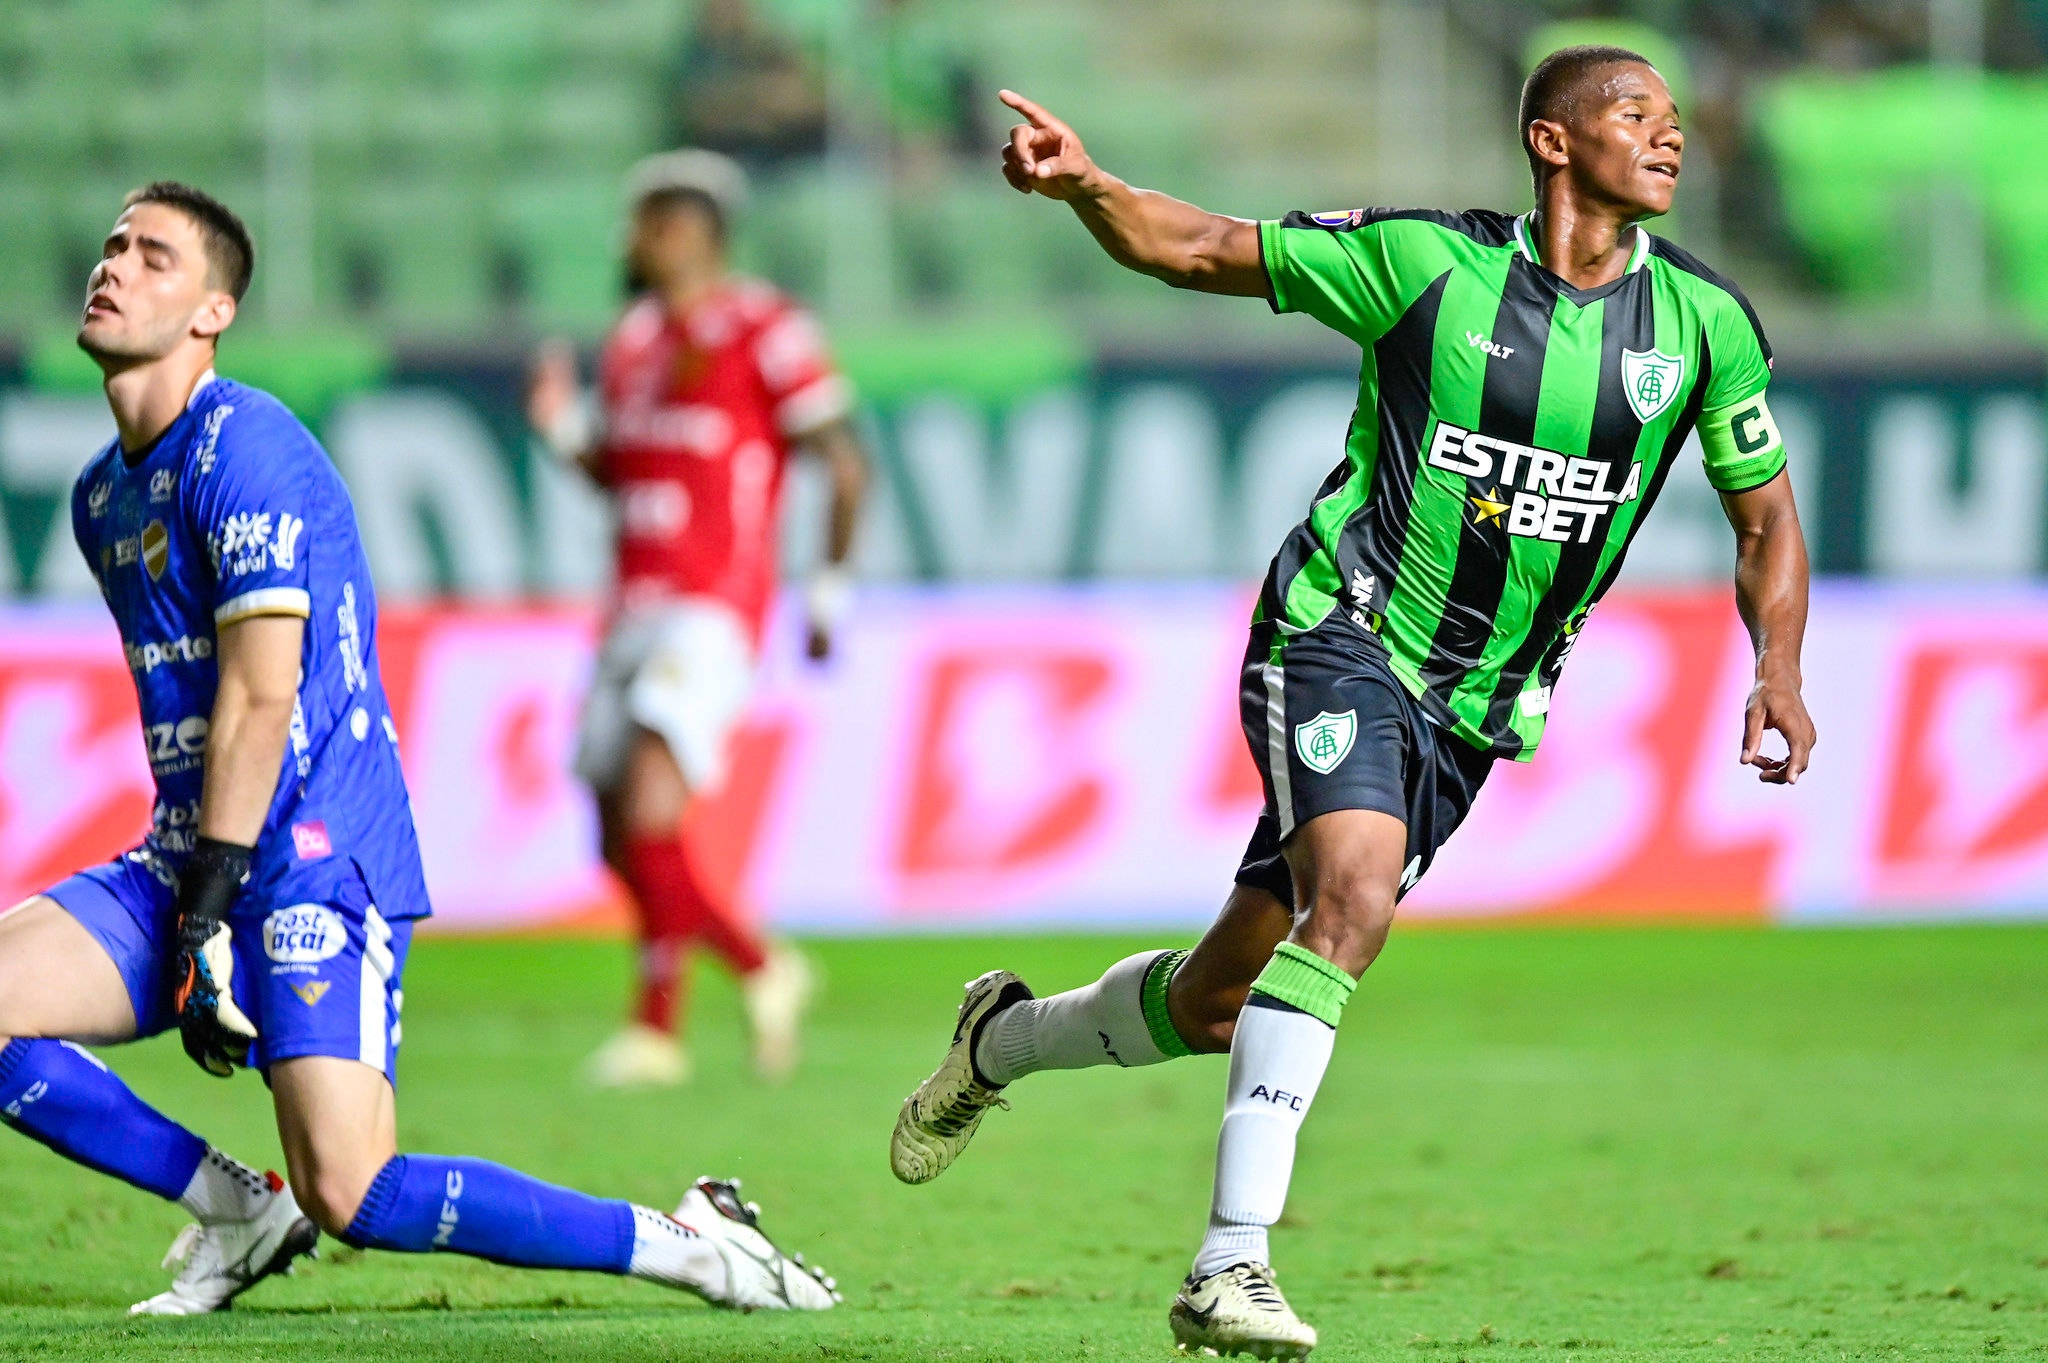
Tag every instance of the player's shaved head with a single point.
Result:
(1567, 83)
(230, 254)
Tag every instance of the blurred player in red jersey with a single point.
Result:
(706, 387)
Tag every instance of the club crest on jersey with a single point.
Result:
(1651, 379)
(1326, 740)
(156, 548)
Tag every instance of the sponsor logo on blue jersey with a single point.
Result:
(147, 658)
(304, 934)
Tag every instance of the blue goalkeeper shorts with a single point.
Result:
(318, 977)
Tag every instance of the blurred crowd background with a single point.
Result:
(435, 186)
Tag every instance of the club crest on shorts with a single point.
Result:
(1326, 740)
(1651, 379)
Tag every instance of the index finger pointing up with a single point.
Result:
(1038, 115)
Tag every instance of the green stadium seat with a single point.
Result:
(565, 236)
(1861, 159)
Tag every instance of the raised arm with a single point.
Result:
(1151, 233)
(1770, 592)
(557, 408)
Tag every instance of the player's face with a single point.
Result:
(673, 241)
(1626, 146)
(150, 292)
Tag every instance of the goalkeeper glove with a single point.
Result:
(216, 1032)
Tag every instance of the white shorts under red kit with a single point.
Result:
(700, 413)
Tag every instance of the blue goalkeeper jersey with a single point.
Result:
(236, 511)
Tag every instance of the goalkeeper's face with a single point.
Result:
(1626, 144)
(152, 290)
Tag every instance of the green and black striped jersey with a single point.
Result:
(1511, 434)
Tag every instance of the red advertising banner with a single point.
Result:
(987, 758)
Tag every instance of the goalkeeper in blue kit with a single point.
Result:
(267, 913)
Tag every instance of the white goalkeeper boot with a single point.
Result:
(1238, 1311)
(220, 1262)
(938, 1120)
(759, 1276)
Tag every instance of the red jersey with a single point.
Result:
(699, 416)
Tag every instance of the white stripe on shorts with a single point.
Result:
(373, 1023)
(1276, 746)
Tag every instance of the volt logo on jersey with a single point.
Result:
(303, 935)
(1487, 344)
(1325, 741)
(311, 992)
(1651, 380)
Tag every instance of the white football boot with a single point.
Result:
(940, 1118)
(638, 1057)
(1238, 1311)
(777, 996)
(759, 1277)
(220, 1262)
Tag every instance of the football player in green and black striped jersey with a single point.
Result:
(1527, 383)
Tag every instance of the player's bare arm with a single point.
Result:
(1142, 230)
(251, 722)
(556, 407)
(846, 468)
(1770, 592)
(245, 741)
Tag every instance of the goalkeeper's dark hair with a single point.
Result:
(1554, 89)
(230, 254)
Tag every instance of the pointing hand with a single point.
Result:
(1043, 154)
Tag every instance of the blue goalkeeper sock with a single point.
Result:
(61, 1095)
(421, 1203)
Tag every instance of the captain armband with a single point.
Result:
(1742, 445)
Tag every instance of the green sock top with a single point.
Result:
(1301, 979)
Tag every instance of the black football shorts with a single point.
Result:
(1332, 727)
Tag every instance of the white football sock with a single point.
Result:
(667, 1251)
(1277, 1059)
(1103, 1023)
(224, 1189)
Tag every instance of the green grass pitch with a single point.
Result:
(1534, 1143)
